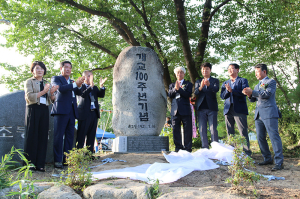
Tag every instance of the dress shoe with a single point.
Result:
(40, 169)
(58, 165)
(277, 167)
(32, 169)
(95, 157)
(265, 162)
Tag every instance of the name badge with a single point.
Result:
(42, 100)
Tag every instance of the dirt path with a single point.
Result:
(213, 180)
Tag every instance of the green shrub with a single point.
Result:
(240, 178)
(78, 174)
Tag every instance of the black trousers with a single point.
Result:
(187, 131)
(36, 134)
(87, 128)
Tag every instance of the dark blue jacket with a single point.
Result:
(239, 99)
(210, 93)
(64, 99)
(182, 104)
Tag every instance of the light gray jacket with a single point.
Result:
(264, 94)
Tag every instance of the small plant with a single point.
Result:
(153, 190)
(6, 163)
(26, 187)
(78, 172)
(240, 178)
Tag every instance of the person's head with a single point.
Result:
(261, 71)
(66, 69)
(206, 69)
(168, 118)
(38, 69)
(179, 72)
(87, 74)
(233, 70)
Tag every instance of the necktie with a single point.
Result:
(92, 100)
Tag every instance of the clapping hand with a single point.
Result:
(53, 89)
(80, 81)
(227, 86)
(247, 91)
(206, 82)
(177, 85)
(102, 81)
(46, 88)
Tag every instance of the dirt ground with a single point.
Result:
(211, 179)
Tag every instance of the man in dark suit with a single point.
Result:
(180, 92)
(206, 104)
(64, 110)
(88, 109)
(266, 116)
(235, 105)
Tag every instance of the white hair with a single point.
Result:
(178, 69)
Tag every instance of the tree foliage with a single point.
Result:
(92, 33)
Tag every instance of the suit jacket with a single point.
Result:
(264, 94)
(32, 88)
(182, 104)
(239, 99)
(209, 93)
(64, 99)
(84, 101)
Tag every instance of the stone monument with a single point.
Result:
(12, 128)
(139, 101)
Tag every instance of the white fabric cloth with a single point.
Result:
(180, 164)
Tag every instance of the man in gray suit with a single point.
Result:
(206, 104)
(266, 116)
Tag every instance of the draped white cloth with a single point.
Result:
(180, 164)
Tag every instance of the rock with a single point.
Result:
(59, 192)
(119, 190)
(38, 188)
(12, 128)
(139, 98)
(202, 193)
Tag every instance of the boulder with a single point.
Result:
(59, 192)
(116, 191)
(139, 97)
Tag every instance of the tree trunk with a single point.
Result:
(183, 35)
(204, 33)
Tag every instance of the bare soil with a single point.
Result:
(213, 180)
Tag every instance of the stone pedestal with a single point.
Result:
(124, 144)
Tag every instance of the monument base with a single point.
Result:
(127, 144)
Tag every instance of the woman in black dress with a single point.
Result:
(38, 95)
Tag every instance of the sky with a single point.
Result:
(10, 56)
